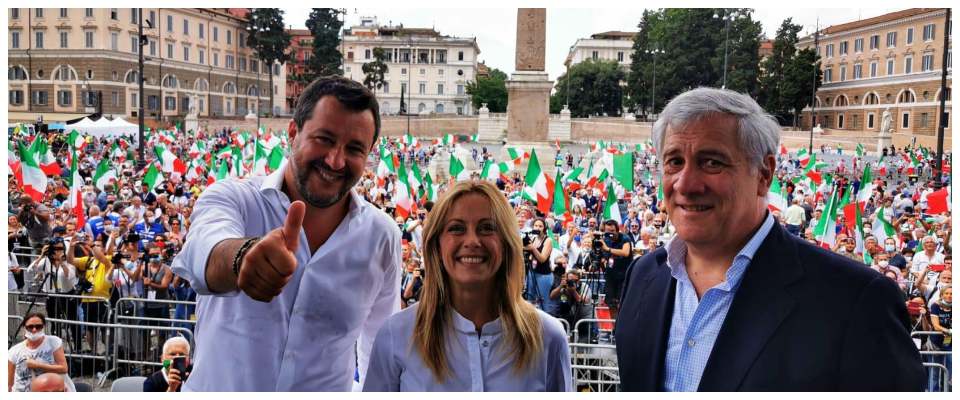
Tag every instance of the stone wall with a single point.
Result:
(589, 130)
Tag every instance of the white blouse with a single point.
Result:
(477, 363)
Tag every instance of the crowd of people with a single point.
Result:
(104, 227)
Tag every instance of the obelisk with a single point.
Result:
(528, 90)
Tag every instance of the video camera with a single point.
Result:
(529, 236)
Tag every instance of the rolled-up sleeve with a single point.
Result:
(217, 216)
(386, 304)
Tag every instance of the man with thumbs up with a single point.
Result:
(295, 272)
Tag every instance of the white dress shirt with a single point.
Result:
(321, 327)
(477, 363)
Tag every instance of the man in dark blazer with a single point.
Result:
(735, 303)
(170, 379)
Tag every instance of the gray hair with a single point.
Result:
(176, 340)
(758, 132)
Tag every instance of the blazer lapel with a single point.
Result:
(759, 306)
(656, 309)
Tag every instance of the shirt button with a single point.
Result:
(485, 343)
(691, 343)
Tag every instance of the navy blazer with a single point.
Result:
(803, 319)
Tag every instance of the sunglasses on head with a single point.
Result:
(34, 327)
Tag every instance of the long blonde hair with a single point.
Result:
(520, 322)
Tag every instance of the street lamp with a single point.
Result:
(726, 43)
(141, 162)
(653, 92)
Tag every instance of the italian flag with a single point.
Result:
(105, 173)
(803, 156)
(457, 171)
(516, 156)
(860, 150)
(938, 202)
(218, 174)
(623, 170)
(536, 182)
(409, 141)
(866, 185)
(414, 178)
(385, 167)
(116, 152)
(403, 196)
(475, 137)
(33, 180)
(859, 237)
(611, 210)
(561, 202)
(429, 190)
(13, 161)
(44, 156)
(826, 229)
(446, 140)
(76, 140)
(169, 162)
(153, 177)
(777, 196)
(75, 201)
(882, 228)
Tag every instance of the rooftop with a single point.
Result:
(878, 20)
(621, 35)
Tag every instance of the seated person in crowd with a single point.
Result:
(176, 350)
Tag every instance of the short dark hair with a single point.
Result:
(613, 223)
(350, 93)
(36, 314)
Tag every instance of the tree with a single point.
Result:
(324, 24)
(266, 35)
(491, 90)
(375, 70)
(594, 87)
(743, 57)
(798, 81)
(772, 82)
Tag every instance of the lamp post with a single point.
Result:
(653, 92)
(141, 162)
(726, 44)
(409, 74)
(813, 94)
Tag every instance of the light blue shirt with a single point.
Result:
(696, 323)
(477, 362)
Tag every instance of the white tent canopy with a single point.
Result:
(103, 128)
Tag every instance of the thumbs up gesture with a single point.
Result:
(269, 264)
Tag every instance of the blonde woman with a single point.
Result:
(471, 330)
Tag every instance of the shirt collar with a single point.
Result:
(274, 183)
(464, 325)
(677, 253)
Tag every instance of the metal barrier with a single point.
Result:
(603, 334)
(566, 327)
(594, 367)
(87, 362)
(937, 363)
(133, 357)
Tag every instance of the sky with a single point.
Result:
(495, 28)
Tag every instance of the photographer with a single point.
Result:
(89, 257)
(573, 301)
(412, 283)
(537, 247)
(36, 218)
(617, 248)
(59, 277)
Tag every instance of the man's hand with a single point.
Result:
(269, 264)
(173, 380)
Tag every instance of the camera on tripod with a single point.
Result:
(529, 236)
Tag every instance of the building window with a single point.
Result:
(15, 40)
(440, 72)
(403, 88)
(440, 89)
(843, 73)
(216, 34)
(134, 44)
(114, 38)
(403, 71)
(907, 65)
(64, 97)
(186, 53)
(870, 118)
(243, 63)
(15, 13)
(924, 117)
(229, 37)
(169, 50)
(830, 50)
(200, 31)
(828, 75)
(241, 39)
(216, 59)
(460, 90)
(871, 99)
(891, 39)
(254, 66)
(186, 27)
(229, 61)
(169, 82)
(619, 56)
(16, 73)
(170, 23)
(421, 107)
(64, 36)
(38, 12)
(38, 40)
(114, 15)
(366, 54)
(16, 97)
(874, 42)
(840, 121)
(88, 39)
(423, 88)
(115, 97)
(858, 45)
(170, 103)
(40, 97)
(843, 47)
(594, 55)
(906, 97)
(200, 56)
(439, 108)
(460, 56)
(386, 87)
(926, 63)
(889, 66)
(134, 17)
(153, 18)
(873, 69)
(423, 71)
(928, 32)
(441, 57)
(63, 13)
(153, 47)
(276, 69)
(857, 71)
(909, 35)
(89, 98)
(131, 77)
(906, 121)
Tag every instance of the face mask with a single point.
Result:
(889, 248)
(883, 263)
(33, 336)
(908, 258)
